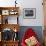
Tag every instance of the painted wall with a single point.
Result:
(27, 4)
(39, 13)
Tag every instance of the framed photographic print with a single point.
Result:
(13, 12)
(5, 12)
(29, 13)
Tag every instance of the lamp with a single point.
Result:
(15, 3)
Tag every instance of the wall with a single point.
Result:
(39, 13)
(27, 4)
(6, 3)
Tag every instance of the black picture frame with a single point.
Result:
(29, 13)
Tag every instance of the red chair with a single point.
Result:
(29, 33)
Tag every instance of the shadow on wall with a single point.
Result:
(37, 29)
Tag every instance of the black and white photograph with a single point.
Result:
(29, 13)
